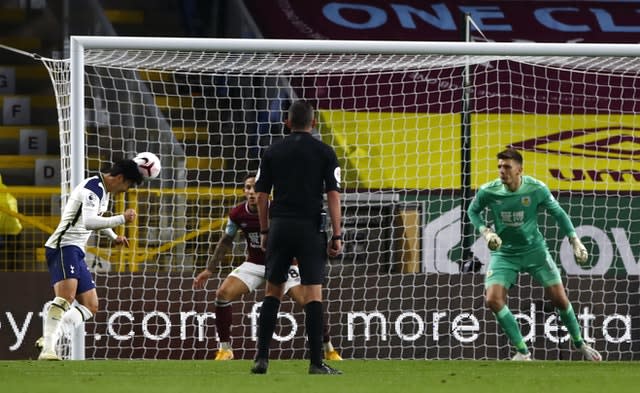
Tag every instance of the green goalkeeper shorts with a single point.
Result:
(504, 269)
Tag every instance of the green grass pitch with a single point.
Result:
(391, 376)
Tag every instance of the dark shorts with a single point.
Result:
(299, 238)
(67, 263)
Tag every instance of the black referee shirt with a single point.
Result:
(300, 169)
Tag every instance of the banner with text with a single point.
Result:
(420, 20)
(412, 316)
(611, 240)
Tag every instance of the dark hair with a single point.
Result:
(510, 154)
(300, 115)
(128, 169)
(249, 176)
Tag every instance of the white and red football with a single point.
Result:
(148, 164)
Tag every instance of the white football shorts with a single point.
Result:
(252, 275)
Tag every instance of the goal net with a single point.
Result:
(416, 127)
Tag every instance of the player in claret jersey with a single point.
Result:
(518, 246)
(249, 275)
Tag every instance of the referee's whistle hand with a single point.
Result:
(334, 248)
(263, 242)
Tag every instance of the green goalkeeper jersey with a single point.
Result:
(515, 213)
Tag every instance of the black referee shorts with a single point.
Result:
(299, 238)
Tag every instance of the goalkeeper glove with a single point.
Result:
(579, 250)
(493, 240)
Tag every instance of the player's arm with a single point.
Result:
(335, 213)
(332, 183)
(476, 208)
(264, 184)
(222, 247)
(108, 232)
(263, 217)
(91, 214)
(118, 240)
(553, 207)
(474, 212)
(562, 218)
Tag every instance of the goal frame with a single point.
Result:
(81, 43)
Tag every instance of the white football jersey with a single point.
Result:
(82, 215)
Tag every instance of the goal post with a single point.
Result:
(405, 286)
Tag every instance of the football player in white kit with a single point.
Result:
(65, 248)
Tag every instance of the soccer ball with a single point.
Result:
(148, 164)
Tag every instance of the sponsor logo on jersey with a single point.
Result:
(91, 200)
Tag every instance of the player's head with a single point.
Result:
(250, 190)
(511, 154)
(122, 175)
(510, 168)
(301, 116)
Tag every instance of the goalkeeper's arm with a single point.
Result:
(552, 205)
(475, 208)
(579, 250)
(493, 240)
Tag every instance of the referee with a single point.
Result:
(299, 169)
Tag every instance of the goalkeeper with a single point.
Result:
(249, 275)
(518, 246)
